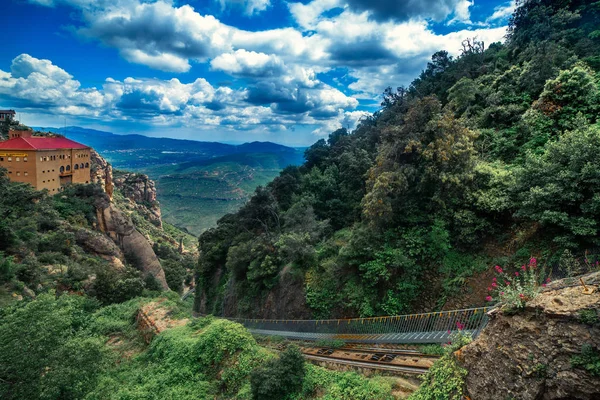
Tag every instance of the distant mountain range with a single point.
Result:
(197, 182)
(150, 151)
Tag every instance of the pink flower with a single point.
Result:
(533, 262)
(501, 293)
(488, 298)
(516, 274)
(498, 269)
(449, 331)
(489, 289)
(460, 326)
(544, 285)
(507, 283)
(547, 280)
(494, 280)
(494, 284)
(523, 267)
(521, 295)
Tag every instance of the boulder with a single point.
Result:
(134, 245)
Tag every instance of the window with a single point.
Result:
(87, 165)
(25, 159)
(81, 165)
(62, 169)
(68, 167)
(41, 158)
(17, 158)
(1, 158)
(18, 173)
(9, 159)
(26, 173)
(76, 166)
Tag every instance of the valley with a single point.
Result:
(197, 182)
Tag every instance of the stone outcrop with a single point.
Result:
(136, 248)
(286, 300)
(141, 191)
(528, 355)
(153, 318)
(102, 173)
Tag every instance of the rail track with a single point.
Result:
(393, 360)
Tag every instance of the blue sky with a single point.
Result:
(224, 70)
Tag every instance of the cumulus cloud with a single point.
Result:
(503, 11)
(276, 72)
(385, 10)
(37, 84)
(248, 63)
(250, 7)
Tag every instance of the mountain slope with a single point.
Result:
(487, 159)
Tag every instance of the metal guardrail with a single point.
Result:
(435, 327)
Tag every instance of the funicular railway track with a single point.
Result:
(393, 360)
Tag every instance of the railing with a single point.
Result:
(436, 327)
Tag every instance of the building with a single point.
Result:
(45, 162)
(4, 114)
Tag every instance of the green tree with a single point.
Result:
(281, 378)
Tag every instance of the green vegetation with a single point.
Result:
(280, 378)
(445, 380)
(488, 158)
(589, 360)
(69, 347)
(50, 242)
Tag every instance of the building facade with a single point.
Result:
(4, 114)
(45, 162)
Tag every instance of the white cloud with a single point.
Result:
(250, 7)
(503, 12)
(248, 63)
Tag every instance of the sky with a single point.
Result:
(289, 72)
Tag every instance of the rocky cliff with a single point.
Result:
(141, 192)
(118, 226)
(533, 354)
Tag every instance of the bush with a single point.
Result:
(280, 378)
(589, 359)
(514, 291)
(7, 268)
(445, 380)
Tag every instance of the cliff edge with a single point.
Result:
(549, 351)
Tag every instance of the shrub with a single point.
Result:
(589, 359)
(514, 291)
(445, 380)
(279, 378)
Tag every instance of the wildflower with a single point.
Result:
(460, 326)
(544, 285)
(507, 283)
(523, 267)
(532, 262)
(494, 280)
(494, 284)
(501, 293)
(498, 269)
(488, 298)
(547, 280)
(521, 295)
(516, 274)
(449, 331)
(489, 288)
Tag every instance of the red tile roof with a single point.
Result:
(41, 143)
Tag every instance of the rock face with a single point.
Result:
(286, 300)
(527, 356)
(102, 173)
(141, 190)
(134, 245)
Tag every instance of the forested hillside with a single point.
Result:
(488, 158)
